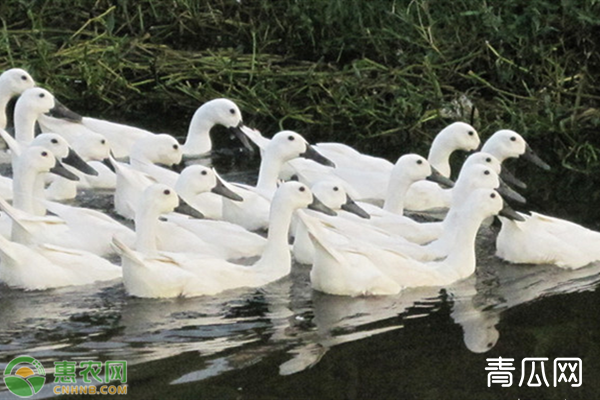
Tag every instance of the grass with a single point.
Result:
(382, 75)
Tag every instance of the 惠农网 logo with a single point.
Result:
(24, 376)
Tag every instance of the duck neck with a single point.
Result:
(439, 156)
(396, 193)
(460, 231)
(268, 173)
(276, 256)
(24, 184)
(5, 97)
(24, 124)
(198, 138)
(146, 229)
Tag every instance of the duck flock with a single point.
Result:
(196, 234)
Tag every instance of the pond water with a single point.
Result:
(285, 341)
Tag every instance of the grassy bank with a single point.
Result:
(382, 75)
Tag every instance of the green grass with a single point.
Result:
(381, 75)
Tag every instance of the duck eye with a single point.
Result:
(54, 141)
(493, 195)
(290, 138)
(419, 162)
(335, 188)
(486, 172)
(302, 188)
(470, 133)
(175, 146)
(42, 95)
(103, 141)
(167, 192)
(44, 154)
(23, 77)
(513, 138)
(232, 111)
(204, 173)
(488, 160)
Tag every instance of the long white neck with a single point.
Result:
(24, 182)
(198, 138)
(396, 193)
(270, 166)
(458, 240)
(439, 155)
(276, 257)
(5, 97)
(146, 230)
(24, 124)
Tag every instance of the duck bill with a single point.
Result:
(530, 156)
(75, 161)
(224, 191)
(508, 193)
(512, 180)
(59, 169)
(239, 133)
(185, 208)
(314, 155)
(109, 164)
(317, 205)
(509, 213)
(437, 177)
(62, 112)
(352, 207)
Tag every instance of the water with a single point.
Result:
(287, 341)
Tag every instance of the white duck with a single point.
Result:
(541, 239)
(253, 212)
(74, 227)
(505, 144)
(13, 82)
(333, 195)
(59, 148)
(472, 177)
(94, 150)
(122, 137)
(363, 270)
(148, 273)
(40, 266)
(370, 184)
(197, 179)
(142, 171)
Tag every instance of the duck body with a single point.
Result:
(334, 263)
(541, 239)
(193, 276)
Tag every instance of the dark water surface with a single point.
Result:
(285, 341)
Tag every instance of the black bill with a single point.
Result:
(224, 191)
(62, 112)
(239, 133)
(530, 156)
(60, 170)
(512, 180)
(317, 205)
(185, 208)
(352, 207)
(75, 161)
(314, 155)
(109, 164)
(509, 213)
(508, 193)
(437, 177)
